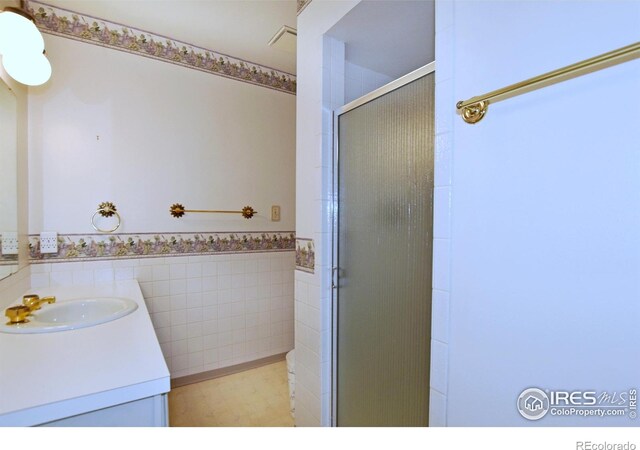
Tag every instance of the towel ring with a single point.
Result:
(106, 209)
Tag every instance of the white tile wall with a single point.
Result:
(444, 120)
(439, 357)
(313, 295)
(440, 316)
(359, 81)
(321, 86)
(308, 350)
(437, 409)
(209, 312)
(313, 309)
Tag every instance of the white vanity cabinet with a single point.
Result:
(147, 412)
(112, 374)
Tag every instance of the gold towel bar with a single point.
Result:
(178, 210)
(474, 109)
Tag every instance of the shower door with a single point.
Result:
(382, 255)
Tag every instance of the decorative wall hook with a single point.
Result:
(107, 209)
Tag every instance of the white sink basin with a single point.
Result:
(74, 314)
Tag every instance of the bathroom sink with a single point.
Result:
(73, 314)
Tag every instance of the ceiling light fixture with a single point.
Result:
(22, 48)
(27, 69)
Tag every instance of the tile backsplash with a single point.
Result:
(209, 311)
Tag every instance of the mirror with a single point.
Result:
(8, 182)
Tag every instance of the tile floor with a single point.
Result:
(253, 398)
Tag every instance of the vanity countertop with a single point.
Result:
(50, 376)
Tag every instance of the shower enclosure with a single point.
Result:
(383, 237)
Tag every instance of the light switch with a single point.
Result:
(9, 243)
(48, 242)
(275, 213)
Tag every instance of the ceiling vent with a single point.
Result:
(285, 39)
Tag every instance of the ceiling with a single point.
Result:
(392, 37)
(239, 28)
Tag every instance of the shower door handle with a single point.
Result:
(336, 273)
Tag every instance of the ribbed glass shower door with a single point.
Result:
(383, 257)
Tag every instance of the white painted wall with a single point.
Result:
(544, 241)
(145, 134)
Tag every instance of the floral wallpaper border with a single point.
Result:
(85, 247)
(80, 27)
(302, 4)
(305, 255)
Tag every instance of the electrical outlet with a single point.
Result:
(49, 242)
(9, 243)
(275, 213)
